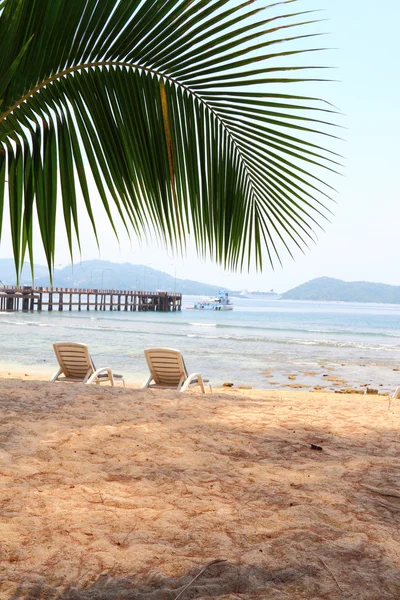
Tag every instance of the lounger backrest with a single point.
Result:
(166, 366)
(74, 359)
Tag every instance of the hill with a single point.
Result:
(328, 288)
(105, 274)
(7, 272)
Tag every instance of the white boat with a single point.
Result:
(220, 302)
(256, 294)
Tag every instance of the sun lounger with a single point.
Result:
(77, 365)
(168, 370)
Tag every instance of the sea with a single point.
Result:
(265, 344)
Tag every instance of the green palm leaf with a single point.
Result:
(178, 111)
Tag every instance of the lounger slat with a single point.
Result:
(159, 372)
(163, 358)
(169, 363)
(75, 359)
(77, 365)
(72, 354)
(172, 359)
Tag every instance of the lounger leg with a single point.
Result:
(146, 384)
(397, 393)
(192, 379)
(201, 384)
(56, 375)
(95, 377)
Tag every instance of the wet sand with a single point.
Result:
(113, 493)
(337, 378)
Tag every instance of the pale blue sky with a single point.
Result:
(362, 242)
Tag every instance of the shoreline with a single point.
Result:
(29, 373)
(258, 348)
(327, 380)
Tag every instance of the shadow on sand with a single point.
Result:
(214, 580)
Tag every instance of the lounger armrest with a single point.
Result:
(94, 377)
(146, 384)
(192, 377)
(56, 375)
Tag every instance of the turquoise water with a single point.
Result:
(359, 342)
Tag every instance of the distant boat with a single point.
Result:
(257, 294)
(220, 302)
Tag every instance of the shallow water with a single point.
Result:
(359, 342)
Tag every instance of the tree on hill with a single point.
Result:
(183, 112)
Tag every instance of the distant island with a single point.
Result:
(102, 274)
(330, 289)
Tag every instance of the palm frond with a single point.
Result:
(178, 111)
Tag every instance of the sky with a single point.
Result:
(361, 241)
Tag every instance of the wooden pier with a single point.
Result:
(27, 298)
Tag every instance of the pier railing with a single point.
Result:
(26, 298)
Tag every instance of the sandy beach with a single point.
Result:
(113, 493)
